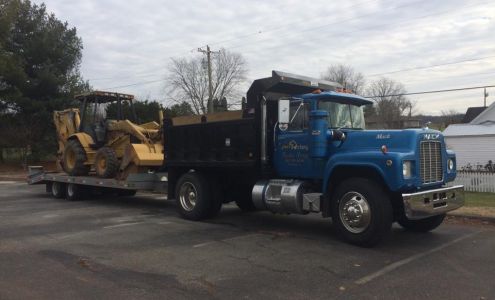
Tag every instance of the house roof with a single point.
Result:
(472, 112)
(469, 130)
(485, 115)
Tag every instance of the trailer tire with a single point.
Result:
(74, 192)
(423, 225)
(193, 195)
(362, 212)
(74, 159)
(57, 189)
(106, 163)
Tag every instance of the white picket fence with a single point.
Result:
(476, 181)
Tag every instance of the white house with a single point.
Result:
(474, 143)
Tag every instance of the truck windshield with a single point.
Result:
(342, 115)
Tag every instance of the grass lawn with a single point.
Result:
(480, 199)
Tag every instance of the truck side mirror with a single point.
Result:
(283, 111)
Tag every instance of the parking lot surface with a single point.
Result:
(138, 247)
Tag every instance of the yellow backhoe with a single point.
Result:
(113, 147)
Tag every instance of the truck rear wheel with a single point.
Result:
(194, 196)
(74, 159)
(57, 189)
(361, 212)
(423, 225)
(106, 163)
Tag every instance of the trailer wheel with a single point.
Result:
(361, 212)
(106, 163)
(74, 159)
(58, 189)
(423, 225)
(193, 196)
(74, 192)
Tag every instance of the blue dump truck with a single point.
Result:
(299, 147)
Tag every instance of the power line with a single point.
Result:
(278, 27)
(319, 27)
(431, 66)
(133, 84)
(432, 92)
(346, 33)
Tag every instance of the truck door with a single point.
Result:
(291, 151)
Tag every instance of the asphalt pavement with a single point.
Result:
(138, 247)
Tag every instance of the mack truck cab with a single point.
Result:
(300, 147)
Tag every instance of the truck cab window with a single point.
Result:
(299, 114)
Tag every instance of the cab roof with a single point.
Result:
(338, 97)
(102, 96)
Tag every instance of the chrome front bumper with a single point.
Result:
(429, 203)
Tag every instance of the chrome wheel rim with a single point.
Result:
(55, 188)
(354, 212)
(70, 189)
(188, 196)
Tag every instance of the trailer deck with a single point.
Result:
(141, 181)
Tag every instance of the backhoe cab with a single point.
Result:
(103, 135)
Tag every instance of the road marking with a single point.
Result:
(122, 225)
(203, 244)
(239, 237)
(402, 262)
(164, 223)
(10, 182)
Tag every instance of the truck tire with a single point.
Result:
(74, 159)
(106, 163)
(243, 198)
(57, 189)
(217, 198)
(423, 225)
(73, 192)
(193, 195)
(361, 211)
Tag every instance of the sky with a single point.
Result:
(128, 44)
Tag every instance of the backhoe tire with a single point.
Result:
(74, 159)
(362, 213)
(423, 225)
(106, 163)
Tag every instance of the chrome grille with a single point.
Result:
(430, 161)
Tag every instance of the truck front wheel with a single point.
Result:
(361, 212)
(423, 225)
(194, 196)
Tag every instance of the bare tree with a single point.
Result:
(346, 76)
(390, 104)
(188, 79)
(451, 116)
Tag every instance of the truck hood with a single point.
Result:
(405, 140)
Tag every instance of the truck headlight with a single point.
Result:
(407, 169)
(450, 164)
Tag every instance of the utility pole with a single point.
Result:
(485, 95)
(210, 85)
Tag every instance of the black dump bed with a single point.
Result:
(231, 143)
